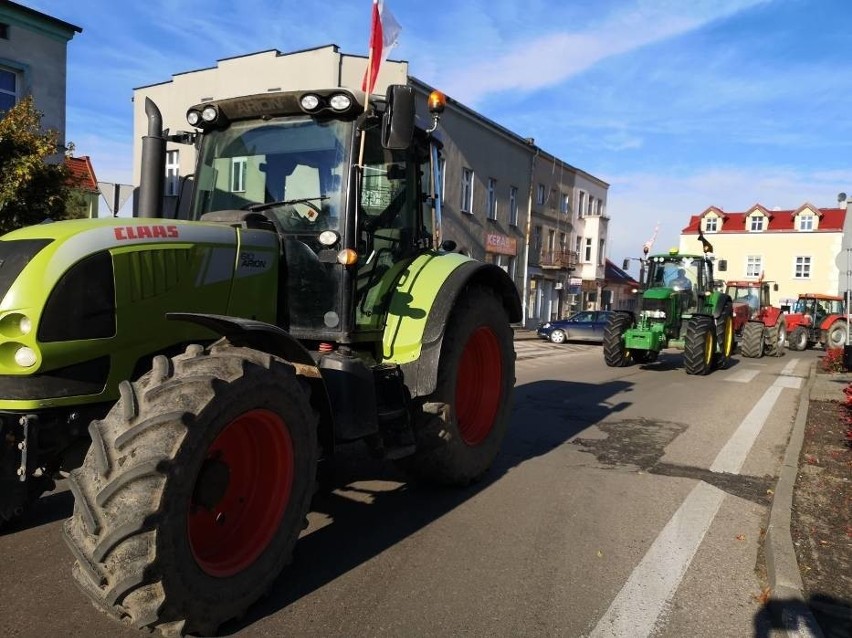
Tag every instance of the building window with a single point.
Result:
(578, 244)
(757, 223)
(802, 268)
(601, 252)
(8, 88)
(467, 190)
(565, 204)
(513, 205)
(536, 240)
(581, 204)
(588, 256)
(492, 198)
(754, 266)
(172, 172)
(711, 224)
(238, 175)
(806, 221)
(539, 194)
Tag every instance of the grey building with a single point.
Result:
(492, 176)
(33, 57)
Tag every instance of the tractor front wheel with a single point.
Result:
(799, 339)
(836, 337)
(195, 489)
(725, 336)
(776, 337)
(700, 345)
(616, 354)
(463, 421)
(752, 343)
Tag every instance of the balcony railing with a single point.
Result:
(558, 259)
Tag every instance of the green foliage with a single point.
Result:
(31, 188)
(76, 205)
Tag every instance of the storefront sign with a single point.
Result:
(495, 243)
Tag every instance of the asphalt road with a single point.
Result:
(626, 502)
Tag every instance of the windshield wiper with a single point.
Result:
(283, 202)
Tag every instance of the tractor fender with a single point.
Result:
(719, 304)
(770, 316)
(420, 307)
(829, 321)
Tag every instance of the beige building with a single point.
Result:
(505, 200)
(799, 249)
(33, 61)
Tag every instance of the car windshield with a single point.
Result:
(292, 167)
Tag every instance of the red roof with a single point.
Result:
(830, 220)
(82, 175)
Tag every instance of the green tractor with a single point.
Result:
(188, 375)
(680, 307)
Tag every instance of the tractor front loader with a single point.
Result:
(679, 308)
(195, 370)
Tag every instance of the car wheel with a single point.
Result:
(557, 336)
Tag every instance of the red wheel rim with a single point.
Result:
(257, 451)
(479, 386)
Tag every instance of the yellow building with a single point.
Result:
(798, 249)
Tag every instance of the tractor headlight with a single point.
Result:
(193, 117)
(340, 102)
(25, 357)
(309, 102)
(25, 325)
(209, 114)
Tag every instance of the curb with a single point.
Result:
(787, 601)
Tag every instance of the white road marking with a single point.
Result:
(743, 376)
(637, 608)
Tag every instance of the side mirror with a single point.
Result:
(775, 287)
(625, 264)
(398, 121)
(722, 266)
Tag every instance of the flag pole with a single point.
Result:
(369, 89)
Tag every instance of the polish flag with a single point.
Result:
(384, 35)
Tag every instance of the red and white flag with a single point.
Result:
(384, 35)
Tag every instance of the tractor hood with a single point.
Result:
(657, 293)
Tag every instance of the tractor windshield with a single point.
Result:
(292, 169)
(745, 292)
(674, 272)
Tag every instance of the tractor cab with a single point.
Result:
(754, 294)
(677, 277)
(350, 214)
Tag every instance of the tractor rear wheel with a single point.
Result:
(836, 337)
(776, 337)
(752, 343)
(798, 339)
(195, 489)
(700, 345)
(616, 354)
(465, 419)
(725, 336)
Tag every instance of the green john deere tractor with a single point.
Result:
(195, 370)
(680, 307)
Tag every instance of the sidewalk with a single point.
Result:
(524, 334)
(787, 597)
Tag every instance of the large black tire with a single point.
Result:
(725, 336)
(195, 489)
(836, 335)
(776, 337)
(616, 354)
(798, 339)
(752, 342)
(464, 420)
(700, 346)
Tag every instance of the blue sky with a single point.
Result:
(677, 104)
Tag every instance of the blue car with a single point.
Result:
(583, 326)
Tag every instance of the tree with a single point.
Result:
(32, 188)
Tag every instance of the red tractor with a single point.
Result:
(817, 319)
(760, 327)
